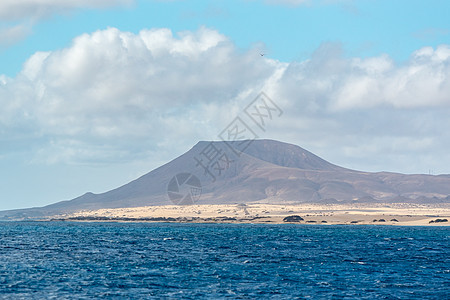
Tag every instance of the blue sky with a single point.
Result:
(290, 32)
(96, 93)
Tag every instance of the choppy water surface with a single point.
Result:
(194, 261)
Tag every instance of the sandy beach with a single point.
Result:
(332, 214)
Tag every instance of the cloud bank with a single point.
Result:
(117, 96)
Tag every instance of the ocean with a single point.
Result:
(70, 260)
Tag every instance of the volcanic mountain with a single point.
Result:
(249, 171)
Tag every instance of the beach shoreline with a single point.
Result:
(400, 214)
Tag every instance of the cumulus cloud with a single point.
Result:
(118, 96)
(370, 104)
(342, 84)
(113, 87)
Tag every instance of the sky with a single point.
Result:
(95, 93)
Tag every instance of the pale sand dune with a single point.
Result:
(404, 214)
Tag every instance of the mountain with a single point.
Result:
(254, 171)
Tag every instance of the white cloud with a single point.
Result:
(113, 88)
(342, 84)
(371, 103)
(423, 82)
(118, 96)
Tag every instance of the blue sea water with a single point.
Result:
(58, 260)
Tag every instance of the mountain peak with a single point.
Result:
(275, 152)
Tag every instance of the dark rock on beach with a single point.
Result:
(438, 221)
(294, 218)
